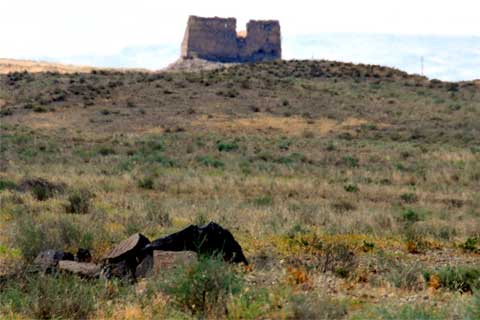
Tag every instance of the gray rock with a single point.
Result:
(47, 260)
(144, 269)
(128, 248)
(83, 269)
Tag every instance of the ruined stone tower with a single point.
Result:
(216, 39)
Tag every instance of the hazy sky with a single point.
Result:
(64, 27)
(57, 29)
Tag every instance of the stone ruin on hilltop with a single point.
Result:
(216, 39)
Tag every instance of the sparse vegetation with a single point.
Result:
(340, 198)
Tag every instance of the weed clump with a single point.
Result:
(351, 188)
(227, 146)
(410, 216)
(409, 197)
(351, 162)
(311, 306)
(459, 278)
(205, 287)
(41, 189)
(209, 161)
(79, 201)
(7, 184)
(146, 183)
(471, 245)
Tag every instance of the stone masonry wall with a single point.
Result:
(216, 39)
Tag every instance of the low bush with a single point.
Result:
(33, 234)
(79, 201)
(7, 184)
(408, 312)
(409, 197)
(146, 183)
(211, 162)
(263, 201)
(459, 278)
(41, 296)
(398, 273)
(410, 216)
(227, 146)
(351, 188)
(351, 162)
(311, 306)
(471, 245)
(205, 287)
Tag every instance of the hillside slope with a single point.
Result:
(307, 93)
(352, 189)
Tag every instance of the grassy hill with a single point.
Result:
(353, 189)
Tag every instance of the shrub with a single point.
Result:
(471, 244)
(146, 183)
(474, 308)
(409, 197)
(39, 109)
(7, 185)
(211, 162)
(105, 151)
(159, 158)
(204, 287)
(263, 201)
(291, 158)
(351, 188)
(227, 146)
(310, 306)
(343, 205)
(79, 201)
(410, 216)
(157, 214)
(40, 193)
(400, 274)
(46, 297)
(339, 259)
(32, 234)
(351, 162)
(408, 312)
(41, 296)
(460, 278)
(368, 246)
(41, 189)
(405, 276)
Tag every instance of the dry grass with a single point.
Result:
(338, 168)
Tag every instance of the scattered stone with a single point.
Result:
(47, 260)
(117, 270)
(124, 258)
(206, 240)
(83, 255)
(145, 268)
(127, 248)
(83, 269)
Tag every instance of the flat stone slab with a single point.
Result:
(85, 269)
(128, 248)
